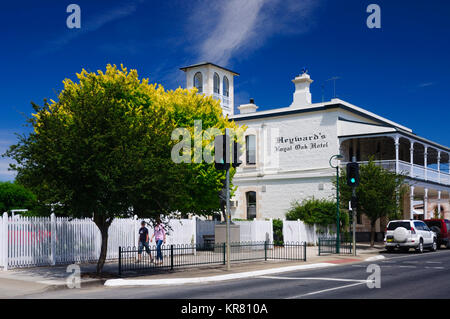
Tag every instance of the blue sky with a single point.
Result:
(399, 71)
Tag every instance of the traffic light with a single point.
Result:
(353, 174)
(236, 154)
(222, 152)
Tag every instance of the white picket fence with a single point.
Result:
(256, 230)
(250, 231)
(39, 241)
(297, 231)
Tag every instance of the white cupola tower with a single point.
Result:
(302, 95)
(213, 80)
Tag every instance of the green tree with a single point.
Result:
(15, 196)
(103, 150)
(379, 193)
(316, 211)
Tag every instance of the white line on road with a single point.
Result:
(434, 267)
(326, 290)
(408, 266)
(316, 278)
(433, 262)
(198, 280)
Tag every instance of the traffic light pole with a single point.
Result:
(354, 222)
(228, 213)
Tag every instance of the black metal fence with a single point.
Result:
(329, 246)
(178, 256)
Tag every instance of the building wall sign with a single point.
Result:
(304, 142)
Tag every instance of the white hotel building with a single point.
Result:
(288, 151)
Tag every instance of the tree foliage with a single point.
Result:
(103, 150)
(316, 211)
(379, 193)
(15, 196)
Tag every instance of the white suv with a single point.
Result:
(406, 234)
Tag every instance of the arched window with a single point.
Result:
(251, 205)
(226, 86)
(198, 82)
(216, 83)
(250, 149)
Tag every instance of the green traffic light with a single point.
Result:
(353, 180)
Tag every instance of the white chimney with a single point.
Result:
(248, 108)
(302, 95)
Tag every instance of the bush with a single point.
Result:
(316, 211)
(278, 232)
(15, 196)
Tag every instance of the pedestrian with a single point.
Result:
(143, 242)
(160, 238)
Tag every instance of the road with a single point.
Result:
(408, 275)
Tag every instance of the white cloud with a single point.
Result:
(221, 30)
(426, 84)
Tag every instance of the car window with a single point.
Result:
(418, 225)
(448, 226)
(394, 225)
(431, 223)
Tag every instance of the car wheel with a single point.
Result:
(420, 247)
(434, 245)
(447, 245)
(390, 249)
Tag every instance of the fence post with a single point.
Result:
(4, 242)
(319, 246)
(136, 231)
(120, 261)
(53, 239)
(304, 251)
(224, 251)
(171, 257)
(265, 250)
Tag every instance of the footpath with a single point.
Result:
(18, 282)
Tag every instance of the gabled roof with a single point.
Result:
(206, 63)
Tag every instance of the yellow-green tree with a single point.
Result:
(103, 150)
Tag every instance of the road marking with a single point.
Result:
(327, 290)
(434, 267)
(362, 266)
(408, 266)
(198, 280)
(316, 278)
(433, 262)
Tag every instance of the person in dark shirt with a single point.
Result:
(143, 242)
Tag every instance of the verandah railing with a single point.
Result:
(178, 256)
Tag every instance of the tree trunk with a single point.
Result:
(103, 225)
(103, 249)
(372, 233)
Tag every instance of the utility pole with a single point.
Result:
(338, 232)
(228, 209)
(354, 221)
